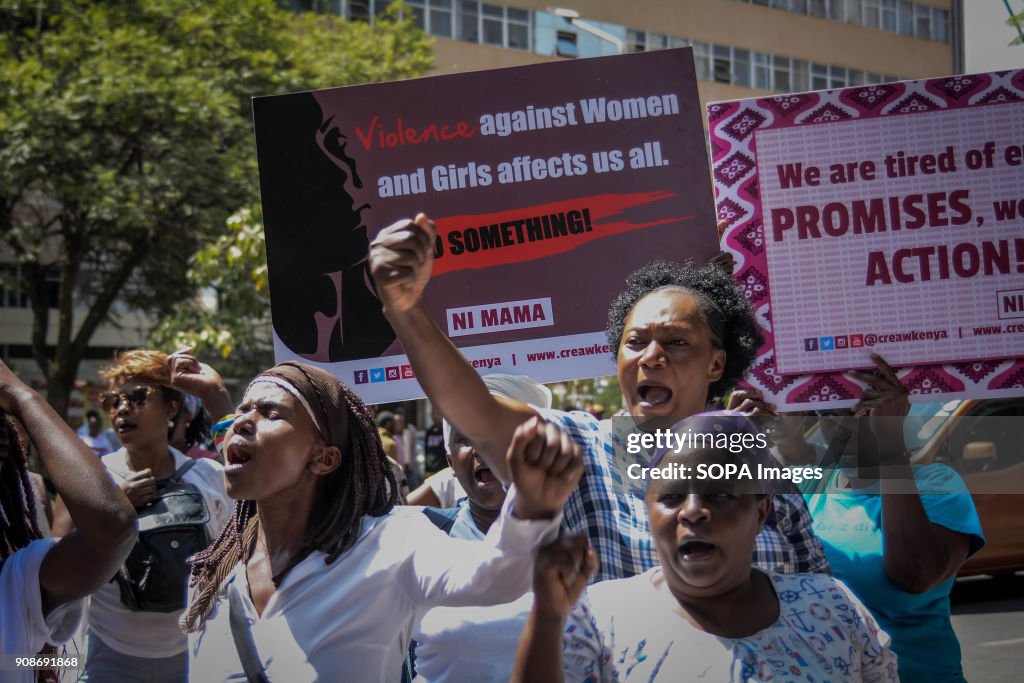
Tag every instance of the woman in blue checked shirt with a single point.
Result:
(682, 335)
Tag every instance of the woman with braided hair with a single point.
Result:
(319, 576)
(43, 581)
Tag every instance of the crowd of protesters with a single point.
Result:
(270, 541)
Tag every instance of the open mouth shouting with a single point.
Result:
(235, 458)
(483, 476)
(696, 550)
(653, 395)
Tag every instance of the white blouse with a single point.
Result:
(352, 620)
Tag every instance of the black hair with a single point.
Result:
(18, 525)
(724, 308)
(363, 485)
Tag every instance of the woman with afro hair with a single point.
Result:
(680, 335)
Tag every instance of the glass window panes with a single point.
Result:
(906, 18)
(889, 15)
(819, 77)
(922, 22)
(851, 11)
(780, 67)
(657, 41)
(801, 76)
(636, 41)
(493, 29)
(762, 71)
(469, 17)
(440, 21)
(873, 13)
(838, 77)
(940, 23)
(741, 67)
(518, 36)
(722, 64)
(565, 44)
(817, 8)
(702, 61)
(359, 10)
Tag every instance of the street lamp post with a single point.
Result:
(574, 18)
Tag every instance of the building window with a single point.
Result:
(722, 64)
(801, 76)
(469, 17)
(702, 61)
(493, 30)
(838, 77)
(906, 18)
(873, 13)
(565, 44)
(441, 18)
(636, 41)
(657, 41)
(940, 25)
(819, 77)
(851, 12)
(780, 75)
(762, 71)
(889, 22)
(358, 10)
(741, 67)
(518, 22)
(922, 22)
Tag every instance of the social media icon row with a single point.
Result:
(841, 342)
(387, 374)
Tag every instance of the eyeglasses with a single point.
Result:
(136, 398)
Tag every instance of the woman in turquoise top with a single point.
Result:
(899, 553)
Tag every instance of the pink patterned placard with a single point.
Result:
(883, 218)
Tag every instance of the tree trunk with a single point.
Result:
(59, 383)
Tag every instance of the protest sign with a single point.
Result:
(884, 218)
(549, 184)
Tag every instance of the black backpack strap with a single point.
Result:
(176, 477)
(241, 632)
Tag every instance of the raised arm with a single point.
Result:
(559, 577)
(86, 558)
(201, 380)
(546, 466)
(401, 260)
(919, 555)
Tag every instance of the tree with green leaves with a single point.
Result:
(126, 141)
(1016, 21)
(230, 315)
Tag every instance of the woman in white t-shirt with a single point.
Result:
(319, 576)
(705, 612)
(43, 581)
(125, 643)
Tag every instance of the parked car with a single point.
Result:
(984, 442)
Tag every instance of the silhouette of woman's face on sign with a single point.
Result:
(323, 303)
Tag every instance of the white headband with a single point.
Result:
(284, 384)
